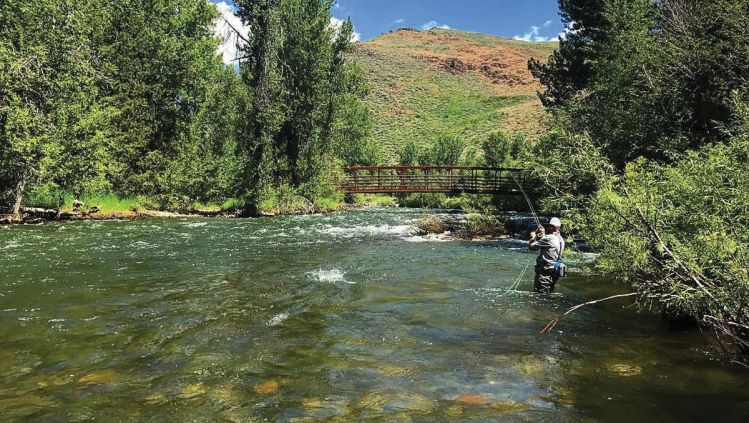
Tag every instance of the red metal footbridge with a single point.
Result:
(434, 179)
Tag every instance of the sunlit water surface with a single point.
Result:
(344, 317)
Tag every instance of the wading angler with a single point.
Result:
(549, 267)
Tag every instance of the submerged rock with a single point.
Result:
(625, 370)
(312, 403)
(373, 401)
(326, 408)
(472, 399)
(24, 405)
(393, 371)
(223, 394)
(507, 406)
(454, 411)
(155, 398)
(410, 402)
(191, 391)
(267, 387)
(532, 366)
(57, 379)
(102, 377)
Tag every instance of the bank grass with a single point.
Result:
(111, 203)
(286, 200)
(43, 198)
(375, 200)
(106, 203)
(231, 205)
(329, 203)
(438, 201)
(204, 206)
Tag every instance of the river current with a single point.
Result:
(341, 317)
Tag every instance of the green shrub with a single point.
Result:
(232, 205)
(447, 151)
(44, 196)
(328, 204)
(503, 150)
(431, 224)
(679, 234)
(482, 225)
(284, 200)
(410, 154)
(148, 203)
(424, 200)
(376, 200)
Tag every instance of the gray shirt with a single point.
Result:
(551, 247)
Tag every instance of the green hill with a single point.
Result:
(445, 82)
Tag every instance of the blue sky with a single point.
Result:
(530, 20)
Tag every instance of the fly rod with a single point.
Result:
(528, 200)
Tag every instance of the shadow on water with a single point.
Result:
(344, 317)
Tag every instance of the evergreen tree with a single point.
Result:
(648, 78)
(261, 74)
(53, 124)
(126, 96)
(305, 95)
(161, 67)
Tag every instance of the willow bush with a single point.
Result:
(679, 234)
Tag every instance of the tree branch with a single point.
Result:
(553, 323)
(239, 34)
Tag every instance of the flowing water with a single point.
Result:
(344, 317)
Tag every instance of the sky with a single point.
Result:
(529, 20)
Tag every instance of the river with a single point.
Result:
(344, 317)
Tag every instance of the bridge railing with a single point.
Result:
(437, 179)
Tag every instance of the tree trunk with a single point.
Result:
(261, 150)
(18, 192)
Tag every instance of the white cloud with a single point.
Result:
(336, 24)
(434, 24)
(534, 34)
(399, 21)
(228, 47)
(567, 30)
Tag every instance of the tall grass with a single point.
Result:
(107, 203)
(231, 205)
(375, 200)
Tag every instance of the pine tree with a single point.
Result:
(303, 90)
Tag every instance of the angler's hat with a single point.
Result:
(555, 222)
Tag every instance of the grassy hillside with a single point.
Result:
(428, 83)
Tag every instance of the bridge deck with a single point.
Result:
(433, 179)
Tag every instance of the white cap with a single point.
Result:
(555, 222)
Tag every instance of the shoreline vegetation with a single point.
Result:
(111, 207)
(480, 212)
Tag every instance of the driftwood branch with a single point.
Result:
(556, 320)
